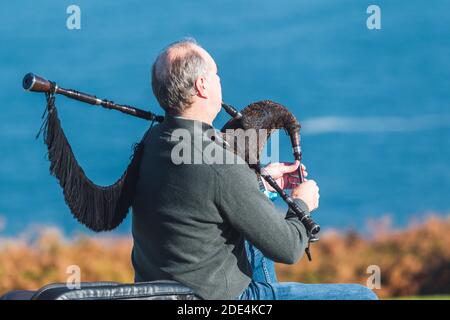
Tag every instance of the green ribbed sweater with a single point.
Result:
(189, 221)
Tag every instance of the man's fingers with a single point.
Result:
(293, 181)
(295, 173)
(288, 167)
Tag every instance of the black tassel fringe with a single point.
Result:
(100, 208)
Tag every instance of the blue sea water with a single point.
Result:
(374, 104)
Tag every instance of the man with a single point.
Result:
(191, 220)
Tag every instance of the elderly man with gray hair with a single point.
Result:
(208, 225)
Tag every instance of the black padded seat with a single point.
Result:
(153, 290)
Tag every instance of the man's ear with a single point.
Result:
(201, 87)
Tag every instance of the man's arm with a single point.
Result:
(250, 212)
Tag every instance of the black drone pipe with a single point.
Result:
(35, 83)
(32, 82)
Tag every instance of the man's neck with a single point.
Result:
(197, 116)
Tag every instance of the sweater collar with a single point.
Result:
(174, 122)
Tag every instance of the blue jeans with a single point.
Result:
(263, 268)
(265, 286)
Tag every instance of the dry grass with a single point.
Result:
(414, 261)
(30, 266)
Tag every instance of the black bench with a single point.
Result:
(154, 290)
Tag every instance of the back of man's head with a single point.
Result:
(174, 73)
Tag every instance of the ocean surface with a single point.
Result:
(374, 104)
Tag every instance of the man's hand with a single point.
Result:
(285, 174)
(308, 191)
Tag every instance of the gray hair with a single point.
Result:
(174, 73)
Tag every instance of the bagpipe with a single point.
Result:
(103, 208)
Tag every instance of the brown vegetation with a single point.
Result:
(414, 261)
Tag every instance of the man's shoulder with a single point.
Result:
(233, 171)
(204, 157)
